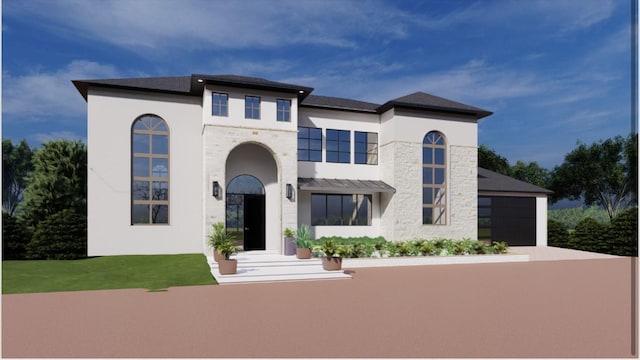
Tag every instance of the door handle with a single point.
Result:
(246, 229)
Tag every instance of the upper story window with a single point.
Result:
(309, 144)
(338, 146)
(149, 171)
(283, 109)
(366, 148)
(434, 175)
(251, 107)
(220, 104)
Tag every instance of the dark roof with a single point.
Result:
(328, 102)
(319, 184)
(174, 84)
(191, 85)
(492, 181)
(251, 83)
(424, 101)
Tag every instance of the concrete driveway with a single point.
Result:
(553, 308)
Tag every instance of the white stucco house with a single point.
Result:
(169, 156)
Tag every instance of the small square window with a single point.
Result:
(252, 107)
(220, 104)
(283, 110)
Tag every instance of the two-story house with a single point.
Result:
(169, 156)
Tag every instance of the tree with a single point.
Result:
(58, 180)
(598, 173)
(490, 160)
(16, 164)
(530, 172)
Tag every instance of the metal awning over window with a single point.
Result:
(344, 185)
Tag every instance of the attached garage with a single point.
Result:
(511, 210)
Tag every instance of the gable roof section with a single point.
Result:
(423, 101)
(492, 181)
(329, 102)
(190, 85)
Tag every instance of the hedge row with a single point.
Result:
(620, 237)
(62, 235)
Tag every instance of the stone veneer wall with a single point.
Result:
(218, 142)
(402, 211)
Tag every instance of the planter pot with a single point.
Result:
(289, 246)
(332, 263)
(228, 267)
(217, 256)
(303, 253)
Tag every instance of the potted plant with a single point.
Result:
(289, 242)
(217, 236)
(332, 255)
(227, 266)
(303, 242)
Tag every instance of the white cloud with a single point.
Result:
(144, 25)
(566, 15)
(50, 93)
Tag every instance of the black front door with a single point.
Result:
(254, 222)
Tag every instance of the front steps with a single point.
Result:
(265, 267)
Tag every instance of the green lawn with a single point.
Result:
(153, 272)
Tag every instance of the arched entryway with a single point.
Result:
(245, 212)
(252, 201)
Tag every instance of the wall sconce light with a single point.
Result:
(289, 191)
(216, 189)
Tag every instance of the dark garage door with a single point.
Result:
(508, 219)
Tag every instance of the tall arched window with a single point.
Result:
(149, 171)
(434, 175)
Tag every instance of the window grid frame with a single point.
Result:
(358, 200)
(220, 105)
(308, 143)
(251, 109)
(285, 112)
(150, 180)
(337, 143)
(367, 144)
(430, 141)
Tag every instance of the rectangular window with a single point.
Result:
(366, 148)
(338, 146)
(340, 209)
(309, 144)
(251, 107)
(284, 110)
(220, 104)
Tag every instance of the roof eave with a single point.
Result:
(338, 108)
(198, 82)
(478, 114)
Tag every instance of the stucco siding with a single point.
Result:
(110, 117)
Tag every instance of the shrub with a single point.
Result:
(589, 236)
(622, 234)
(557, 234)
(60, 236)
(500, 247)
(15, 238)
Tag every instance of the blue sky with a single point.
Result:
(553, 72)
